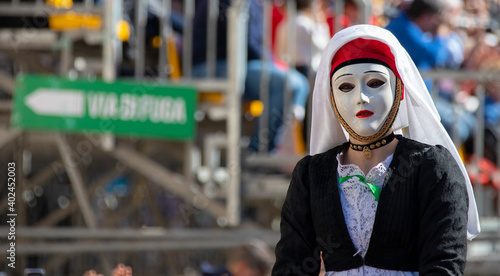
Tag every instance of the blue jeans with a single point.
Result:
(278, 79)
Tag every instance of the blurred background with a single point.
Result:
(162, 134)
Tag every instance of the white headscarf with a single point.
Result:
(416, 111)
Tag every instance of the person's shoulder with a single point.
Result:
(411, 145)
(438, 154)
(317, 163)
(326, 157)
(320, 158)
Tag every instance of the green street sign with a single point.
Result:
(121, 108)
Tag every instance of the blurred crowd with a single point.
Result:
(458, 35)
(453, 35)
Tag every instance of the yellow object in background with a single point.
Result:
(212, 97)
(172, 55)
(156, 41)
(60, 4)
(462, 153)
(254, 108)
(173, 59)
(74, 21)
(122, 30)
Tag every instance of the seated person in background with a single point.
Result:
(311, 33)
(426, 31)
(417, 30)
(280, 81)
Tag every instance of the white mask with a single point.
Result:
(364, 94)
(416, 114)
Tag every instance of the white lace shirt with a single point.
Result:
(359, 207)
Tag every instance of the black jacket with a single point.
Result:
(420, 223)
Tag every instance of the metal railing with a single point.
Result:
(221, 148)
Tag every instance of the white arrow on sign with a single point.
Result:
(57, 102)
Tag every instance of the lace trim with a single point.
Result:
(358, 203)
(376, 175)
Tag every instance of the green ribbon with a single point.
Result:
(374, 189)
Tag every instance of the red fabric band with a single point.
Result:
(361, 48)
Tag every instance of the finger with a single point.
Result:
(128, 271)
(90, 273)
(116, 272)
(119, 270)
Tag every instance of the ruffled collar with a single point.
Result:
(376, 175)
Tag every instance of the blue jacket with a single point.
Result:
(425, 51)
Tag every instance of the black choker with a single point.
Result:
(367, 149)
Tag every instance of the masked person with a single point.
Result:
(370, 200)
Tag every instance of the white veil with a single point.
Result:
(416, 111)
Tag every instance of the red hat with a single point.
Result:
(362, 50)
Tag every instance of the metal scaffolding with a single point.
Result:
(180, 200)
